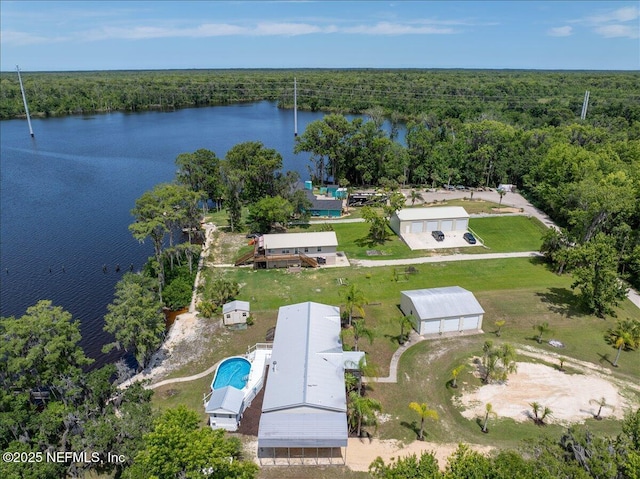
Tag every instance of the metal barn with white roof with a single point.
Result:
(305, 405)
(426, 220)
(443, 310)
(236, 312)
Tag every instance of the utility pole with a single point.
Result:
(24, 99)
(585, 104)
(295, 107)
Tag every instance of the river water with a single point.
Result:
(66, 196)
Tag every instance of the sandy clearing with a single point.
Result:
(567, 395)
(362, 452)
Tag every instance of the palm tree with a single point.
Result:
(354, 299)
(405, 322)
(561, 360)
(425, 413)
(540, 413)
(626, 335)
(499, 324)
(360, 330)
(488, 411)
(362, 411)
(602, 402)
(362, 369)
(454, 375)
(415, 196)
(501, 192)
(541, 328)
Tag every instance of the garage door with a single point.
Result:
(447, 225)
(432, 226)
(470, 322)
(462, 224)
(406, 227)
(451, 325)
(430, 327)
(416, 227)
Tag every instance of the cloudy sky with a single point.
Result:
(93, 35)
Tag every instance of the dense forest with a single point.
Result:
(527, 98)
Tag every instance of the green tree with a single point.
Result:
(178, 447)
(501, 192)
(40, 348)
(408, 467)
(354, 299)
(135, 318)
(358, 330)
(594, 268)
(540, 413)
(257, 167)
(499, 324)
(405, 322)
(269, 213)
(624, 336)
(455, 372)
(468, 464)
(377, 225)
(555, 248)
(361, 411)
(422, 409)
(200, 171)
(488, 411)
(601, 403)
(415, 196)
(541, 328)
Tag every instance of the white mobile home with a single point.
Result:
(305, 405)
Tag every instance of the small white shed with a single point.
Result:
(236, 312)
(224, 408)
(442, 310)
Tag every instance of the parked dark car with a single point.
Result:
(438, 235)
(469, 238)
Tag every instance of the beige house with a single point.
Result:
(235, 312)
(293, 249)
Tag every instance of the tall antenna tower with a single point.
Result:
(295, 107)
(585, 104)
(24, 99)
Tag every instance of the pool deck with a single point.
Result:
(259, 358)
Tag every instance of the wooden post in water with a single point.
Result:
(295, 107)
(24, 99)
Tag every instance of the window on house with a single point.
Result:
(244, 315)
(319, 249)
(306, 250)
(228, 316)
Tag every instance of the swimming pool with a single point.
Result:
(232, 372)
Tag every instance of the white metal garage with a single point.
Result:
(442, 310)
(426, 220)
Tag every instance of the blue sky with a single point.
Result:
(93, 35)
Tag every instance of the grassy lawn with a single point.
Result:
(509, 233)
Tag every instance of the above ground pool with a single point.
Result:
(232, 372)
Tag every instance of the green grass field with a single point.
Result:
(509, 233)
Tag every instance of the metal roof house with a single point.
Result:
(305, 406)
(443, 310)
(235, 312)
(331, 208)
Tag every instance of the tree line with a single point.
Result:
(527, 98)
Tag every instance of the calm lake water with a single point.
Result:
(65, 197)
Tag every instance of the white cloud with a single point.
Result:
(622, 22)
(625, 14)
(9, 37)
(387, 28)
(614, 31)
(560, 31)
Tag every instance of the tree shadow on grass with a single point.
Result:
(561, 301)
(413, 426)
(604, 358)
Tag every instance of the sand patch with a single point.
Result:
(567, 395)
(507, 210)
(362, 452)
